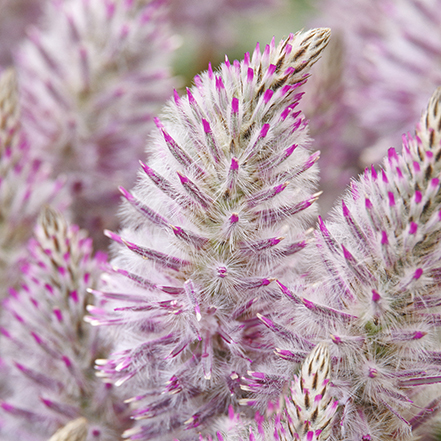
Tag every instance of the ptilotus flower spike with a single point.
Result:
(49, 347)
(305, 412)
(98, 71)
(381, 251)
(25, 184)
(217, 214)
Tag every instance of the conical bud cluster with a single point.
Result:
(218, 213)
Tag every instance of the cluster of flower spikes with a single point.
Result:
(21, 174)
(305, 411)
(378, 300)
(51, 351)
(91, 78)
(220, 211)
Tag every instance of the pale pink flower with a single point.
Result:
(218, 213)
(91, 77)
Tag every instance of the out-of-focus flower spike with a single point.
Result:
(97, 70)
(52, 350)
(22, 174)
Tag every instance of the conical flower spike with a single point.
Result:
(219, 212)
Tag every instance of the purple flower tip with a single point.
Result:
(372, 373)
(335, 339)
(418, 197)
(267, 96)
(418, 273)
(413, 228)
(182, 178)
(222, 272)
(219, 83)
(250, 74)
(391, 198)
(235, 105)
(392, 154)
(74, 296)
(176, 97)
(384, 239)
(375, 296)
(58, 315)
(234, 218)
(418, 335)
(234, 164)
(206, 125)
(264, 130)
(346, 253)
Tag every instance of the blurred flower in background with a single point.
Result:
(26, 185)
(391, 60)
(15, 17)
(48, 347)
(91, 77)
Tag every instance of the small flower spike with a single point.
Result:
(91, 77)
(218, 214)
(25, 185)
(305, 413)
(51, 350)
(381, 251)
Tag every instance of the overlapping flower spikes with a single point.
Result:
(50, 349)
(304, 413)
(217, 214)
(91, 77)
(25, 185)
(381, 253)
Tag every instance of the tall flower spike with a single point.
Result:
(206, 232)
(25, 185)
(381, 253)
(91, 79)
(51, 350)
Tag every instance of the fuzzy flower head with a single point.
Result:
(379, 300)
(21, 175)
(91, 76)
(49, 347)
(219, 211)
